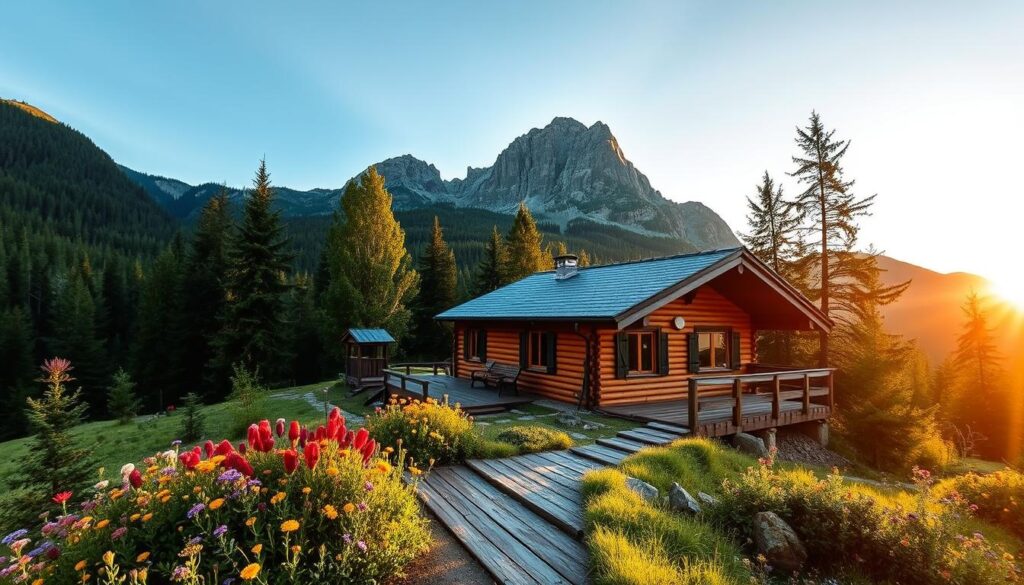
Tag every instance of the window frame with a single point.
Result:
(640, 372)
(537, 343)
(727, 338)
(472, 351)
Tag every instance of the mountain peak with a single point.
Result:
(27, 107)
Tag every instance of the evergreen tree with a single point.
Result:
(158, 347)
(192, 418)
(15, 370)
(523, 247)
(121, 401)
(204, 295)
(438, 281)
(833, 211)
(304, 338)
(584, 260)
(372, 280)
(117, 312)
(491, 268)
(75, 337)
(252, 327)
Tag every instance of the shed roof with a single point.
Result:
(369, 336)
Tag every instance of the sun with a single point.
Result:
(1009, 287)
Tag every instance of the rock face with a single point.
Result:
(680, 500)
(778, 542)
(750, 445)
(645, 490)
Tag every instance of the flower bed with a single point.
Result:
(290, 505)
(996, 497)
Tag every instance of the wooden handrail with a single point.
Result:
(784, 376)
(404, 379)
(442, 367)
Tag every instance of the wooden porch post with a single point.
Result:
(737, 407)
(776, 398)
(691, 399)
(807, 394)
(831, 393)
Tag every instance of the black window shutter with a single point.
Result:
(524, 348)
(734, 347)
(481, 345)
(621, 355)
(552, 352)
(465, 344)
(662, 353)
(693, 353)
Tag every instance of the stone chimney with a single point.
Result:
(565, 266)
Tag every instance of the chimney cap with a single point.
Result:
(563, 257)
(565, 266)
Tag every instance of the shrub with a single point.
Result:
(276, 510)
(192, 418)
(247, 394)
(859, 529)
(429, 432)
(121, 401)
(531, 439)
(996, 497)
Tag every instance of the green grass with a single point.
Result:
(968, 464)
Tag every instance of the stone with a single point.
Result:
(749, 444)
(770, 442)
(527, 417)
(578, 436)
(645, 490)
(680, 500)
(707, 499)
(778, 542)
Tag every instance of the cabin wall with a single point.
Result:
(708, 309)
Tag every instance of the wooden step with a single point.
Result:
(532, 483)
(513, 543)
(648, 436)
(601, 454)
(622, 444)
(670, 429)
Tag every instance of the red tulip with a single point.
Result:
(291, 460)
(242, 447)
(346, 440)
(253, 436)
(223, 448)
(208, 447)
(368, 450)
(62, 497)
(189, 459)
(135, 479)
(360, 439)
(335, 414)
(279, 427)
(303, 436)
(312, 454)
(239, 463)
(294, 431)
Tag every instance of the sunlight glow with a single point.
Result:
(1009, 287)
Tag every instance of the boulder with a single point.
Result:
(778, 542)
(707, 499)
(749, 444)
(680, 500)
(643, 489)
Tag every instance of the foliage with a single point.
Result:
(252, 329)
(524, 254)
(438, 281)
(699, 464)
(247, 397)
(16, 369)
(192, 419)
(288, 510)
(927, 540)
(489, 271)
(430, 432)
(531, 439)
(121, 401)
(160, 331)
(997, 497)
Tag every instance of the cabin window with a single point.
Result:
(713, 350)
(537, 351)
(641, 353)
(642, 359)
(475, 344)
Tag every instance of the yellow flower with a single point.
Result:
(205, 466)
(147, 517)
(116, 493)
(216, 503)
(142, 557)
(217, 459)
(102, 524)
(135, 517)
(349, 508)
(278, 498)
(383, 466)
(257, 549)
(250, 521)
(289, 526)
(296, 549)
(330, 511)
(108, 558)
(165, 499)
(143, 575)
(38, 581)
(415, 470)
(306, 490)
(332, 471)
(81, 565)
(250, 571)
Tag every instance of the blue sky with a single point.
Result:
(703, 97)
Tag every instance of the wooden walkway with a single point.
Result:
(522, 517)
(476, 400)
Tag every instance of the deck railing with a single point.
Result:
(436, 367)
(794, 379)
(407, 382)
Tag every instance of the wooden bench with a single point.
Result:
(497, 375)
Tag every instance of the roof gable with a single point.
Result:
(369, 336)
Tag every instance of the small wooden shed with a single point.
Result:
(366, 357)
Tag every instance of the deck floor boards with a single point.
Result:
(458, 390)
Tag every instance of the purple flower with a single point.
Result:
(14, 536)
(195, 540)
(230, 475)
(168, 471)
(180, 573)
(8, 570)
(347, 538)
(362, 506)
(175, 442)
(3, 560)
(368, 486)
(195, 510)
(118, 533)
(228, 581)
(220, 531)
(361, 545)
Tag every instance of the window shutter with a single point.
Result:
(621, 355)
(524, 348)
(552, 352)
(481, 346)
(465, 344)
(734, 347)
(693, 353)
(662, 353)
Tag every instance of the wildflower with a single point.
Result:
(62, 498)
(257, 549)
(216, 503)
(368, 486)
(102, 485)
(250, 520)
(250, 571)
(176, 442)
(134, 517)
(81, 565)
(278, 498)
(330, 511)
(220, 531)
(147, 517)
(361, 545)
(332, 471)
(135, 479)
(108, 558)
(415, 470)
(361, 506)
(349, 508)
(289, 526)
(345, 537)
(118, 533)
(291, 460)
(143, 556)
(102, 524)
(194, 510)
(383, 466)
(229, 476)
(180, 573)
(14, 536)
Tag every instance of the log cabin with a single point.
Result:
(672, 340)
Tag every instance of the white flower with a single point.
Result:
(170, 456)
(102, 485)
(127, 468)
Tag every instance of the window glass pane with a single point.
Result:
(704, 349)
(542, 352)
(720, 350)
(634, 352)
(647, 352)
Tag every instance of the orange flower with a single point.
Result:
(250, 571)
(142, 557)
(250, 521)
(147, 517)
(330, 511)
(349, 508)
(289, 526)
(257, 549)
(81, 565)
(216, 503)
(102, 524)
(332, 471)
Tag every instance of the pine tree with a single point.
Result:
(489, 273)
(438, 281)
(372, 280)
(304, 338)
(192, 418)
(16, 370)
(252, 328)
(833, 211)
(75, 337)
(121, 401)
(524, 247)
(158, 340)
(204, 295)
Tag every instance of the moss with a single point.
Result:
(531, 439)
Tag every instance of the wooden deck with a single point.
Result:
(476, 400)
(522, 517)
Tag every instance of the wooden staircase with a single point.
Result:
(522, 517)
